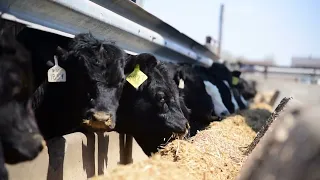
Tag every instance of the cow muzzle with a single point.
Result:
(25, 150)
(99, 121)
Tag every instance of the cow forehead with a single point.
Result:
(160, 80)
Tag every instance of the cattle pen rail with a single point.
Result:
(124, 22)
(78, 155)
(281, 70)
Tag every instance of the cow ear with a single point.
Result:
(146, 61)
(62, 54)
(130, 63)
(179, 75)
(236, 73)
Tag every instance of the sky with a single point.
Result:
(252, 28)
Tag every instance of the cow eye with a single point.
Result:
(165, 107)
(122, 80)
(161, 100)
(160, 95)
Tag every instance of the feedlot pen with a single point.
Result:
(81, 156)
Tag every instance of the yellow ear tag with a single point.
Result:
(235, 80)
(137, 77)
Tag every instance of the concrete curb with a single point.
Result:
(74, 156)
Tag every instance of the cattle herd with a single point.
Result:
(103, 89)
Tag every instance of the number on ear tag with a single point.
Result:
(235, 80)
(137, 77)
(57, 73)
(181, 84)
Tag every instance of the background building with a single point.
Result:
(310, 62)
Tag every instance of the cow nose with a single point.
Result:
(39, 138)
(98, 115)
(213, 113)
(224, 113)
(99, 120)
(101, 116)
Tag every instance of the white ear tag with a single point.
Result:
(56, 73)
(181, 84)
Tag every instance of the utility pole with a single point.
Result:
(220, 29)
(139, 2)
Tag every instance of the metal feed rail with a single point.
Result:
(133, 29)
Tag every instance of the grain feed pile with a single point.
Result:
(214, 153)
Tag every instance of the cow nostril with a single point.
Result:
(89, 114)
(187, 125)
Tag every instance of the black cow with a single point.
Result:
(19, 133)
(151, 113)
(247, 88)
(219, 76)
(94, 81)
(243, 104)
(3, 170)
(193, 94)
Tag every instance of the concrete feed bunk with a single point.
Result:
(214, 153)
(74, 156)
(82, 156)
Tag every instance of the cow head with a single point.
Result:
(219, 108)
(194, 94)
(20, 136)
(218, 75)
(95, 75)
(220, 71)
(247, 89)
(152, 111)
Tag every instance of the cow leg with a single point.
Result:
(3, 170)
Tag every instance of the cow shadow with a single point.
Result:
(94, 161)
(56, 151)
(103, 148)
(88, 153)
